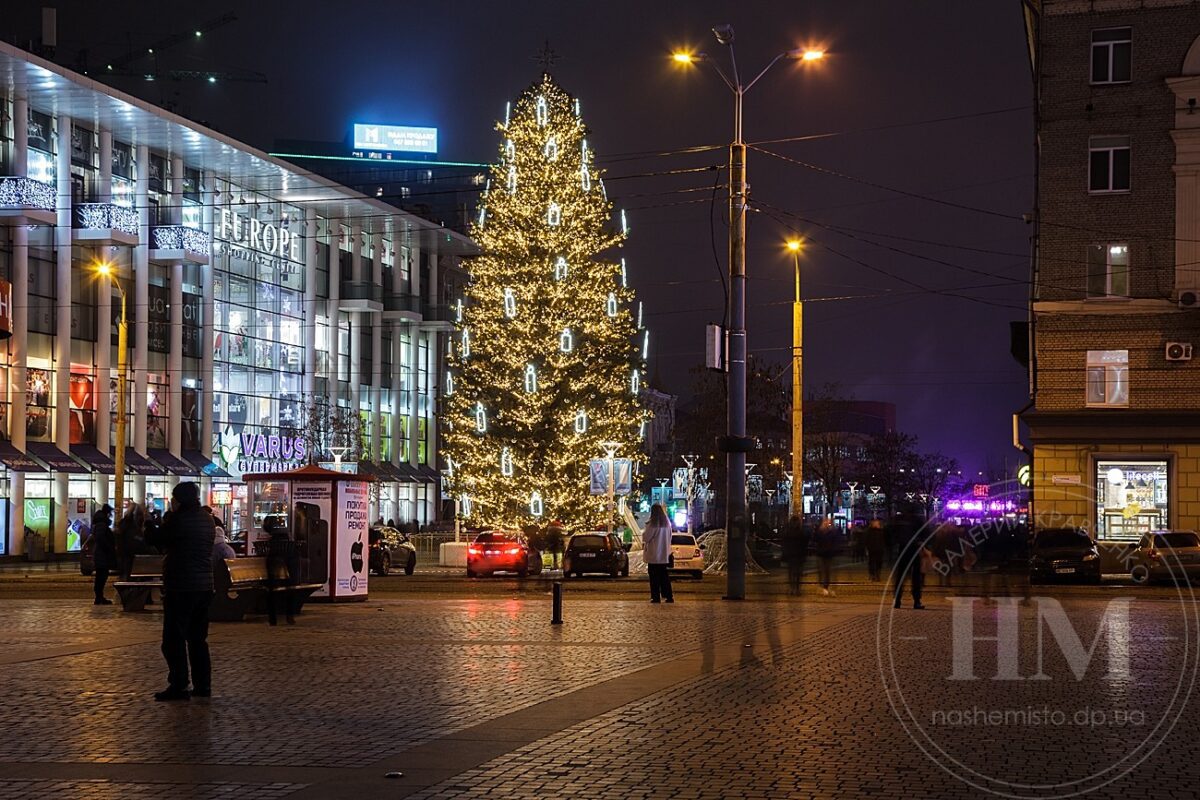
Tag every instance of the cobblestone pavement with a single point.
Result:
(475, 698)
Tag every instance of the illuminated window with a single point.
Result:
(1108, 378)
(1108, 270)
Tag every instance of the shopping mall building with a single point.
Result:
(254, 289)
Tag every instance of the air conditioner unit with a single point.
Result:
(1179, 351)
(1189, 298)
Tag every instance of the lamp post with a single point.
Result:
(690, 460)
(610, 453)
(797, 498)
(105, 270)
(736, 444)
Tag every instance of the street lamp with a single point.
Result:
(105, 270)
(736, 444)
(610, 453)
(794, 246)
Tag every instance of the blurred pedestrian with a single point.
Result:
(873, 540)
(283, 569)
(186, 536)
(656, 551)
(826, 548)
(131, 538)
(104, 553)
(795, 551)
(914, 561)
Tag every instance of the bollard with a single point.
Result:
(556, 608)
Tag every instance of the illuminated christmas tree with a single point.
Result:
(549, 356)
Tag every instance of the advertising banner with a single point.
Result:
(350, 556)
(79, 523)
(37, 516)
(622, 472)
(311, 521)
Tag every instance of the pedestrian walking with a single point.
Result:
(104, 553)
(283, 568)
(795, 551)
(656, 551)
(873, 540)
(186, 536)
(826, 548)
(914, 561)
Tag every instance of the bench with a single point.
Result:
(144, 579)
(239, 584)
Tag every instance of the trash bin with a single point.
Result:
(35, 547)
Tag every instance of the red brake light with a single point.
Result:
(474, 550)
(512, 551)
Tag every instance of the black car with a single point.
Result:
(390, 547)
(596, 552)
(1064, 554)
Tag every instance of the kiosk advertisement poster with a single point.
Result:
(311, 504)
(350, 560)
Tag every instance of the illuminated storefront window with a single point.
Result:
(1131, 498)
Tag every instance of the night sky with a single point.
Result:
(894, 70)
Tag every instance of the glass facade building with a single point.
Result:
(262, 301)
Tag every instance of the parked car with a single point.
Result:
(391, 547)
(496, 551)
(596, 551)
(1064, 554)
(687, 555)
(1166, 556)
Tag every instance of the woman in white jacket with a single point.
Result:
(656, 551)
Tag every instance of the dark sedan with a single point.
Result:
(596, 552)
(1064, 554)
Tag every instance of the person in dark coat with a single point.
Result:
(795, 551)
(283, 567)
(131, 535)
(104, 553)
(910, 564)
(873, 539)
(826, 548)
(186, 537)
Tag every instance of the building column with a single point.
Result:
(175, 316)
(140, 310)
(103, 350)
(433, 373)
(207, 322)
(17, 348)
(331, 307)
(62, 329)
(414, 390)
(356, 320)
(310, 302)
(376, 354)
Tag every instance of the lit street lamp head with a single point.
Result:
(806, 54)
(724, 34)
(104, 268)
(795, 245)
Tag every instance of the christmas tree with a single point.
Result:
(548, 358)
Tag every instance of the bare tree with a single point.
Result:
(932, 472)
(326, 427)
(890, 460)
(826, 445)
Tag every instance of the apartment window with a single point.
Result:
(1108, 164)
(1108, 378)
(1111, 55)
(1108, 270)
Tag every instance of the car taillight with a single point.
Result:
(512, 551)
(474, 550)
(696, 554)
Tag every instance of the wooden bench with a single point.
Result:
(239, 584)
(145, 578)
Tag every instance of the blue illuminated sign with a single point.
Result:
(395, 138)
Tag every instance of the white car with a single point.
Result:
(686, 555)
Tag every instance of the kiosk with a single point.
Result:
(327, 516)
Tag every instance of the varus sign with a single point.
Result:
(264, 453)
(257, 235)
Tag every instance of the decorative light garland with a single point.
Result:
(566, 342)
(554, 214)
(510, 303)
(611, 305)
(506, 462)
(560, 269)
(531, 383)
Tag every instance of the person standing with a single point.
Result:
(656, 551)
(915, 558)
(104, 553)
(283, 567)
(874, 541)
(795, 551)
(186, 536)
(131, 534)
(826, 547)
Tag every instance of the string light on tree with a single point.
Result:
(449, 383)
(645, 345)
(624, 276)
(523, 369)
(635, 382)
(512, 180)
(506, 462)
(458, 311)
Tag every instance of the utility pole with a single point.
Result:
(797, 498)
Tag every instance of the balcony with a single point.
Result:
(170, 244)
(437, 317)
(24, 201)
(361, 296)
(105, 223)
(404, 307)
